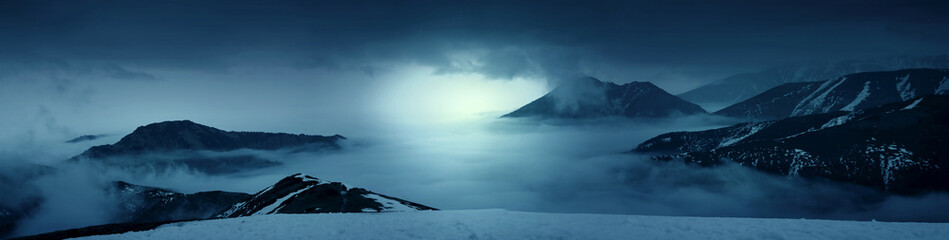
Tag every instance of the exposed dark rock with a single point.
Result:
(149, 204)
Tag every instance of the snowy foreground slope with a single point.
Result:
(501, 224)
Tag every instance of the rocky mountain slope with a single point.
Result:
(847, 93)
(304, 194)
(898, 147)
(140, 204)
(740, 87)
(592, 98)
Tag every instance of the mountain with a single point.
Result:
(134, 204)
(141, 204)
(187, 135)
(502, 224)
(592, 98)
(898, 147)
(847, 93)
(299, 193)
(737, 88)
(206, 149)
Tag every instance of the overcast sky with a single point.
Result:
(83, 67)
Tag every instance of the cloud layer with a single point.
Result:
(509, 164)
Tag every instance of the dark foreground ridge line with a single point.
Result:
(107, 229)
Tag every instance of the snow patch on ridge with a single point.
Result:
(860, 97)
(906, 92)
(749, 130)
(943, 86)
(272, 208)
(892, 159)
(837, 121)
(913, 105)
(390, 205)
(808, 105)
(799, 160)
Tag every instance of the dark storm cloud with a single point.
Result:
(548, 39)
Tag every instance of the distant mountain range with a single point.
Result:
(898, 147)
(846, 93)
(740, 87)
(199, 147)
(592, 98)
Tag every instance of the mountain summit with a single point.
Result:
(300, 193)
(591, 98)
(188, 135)
(199, 147)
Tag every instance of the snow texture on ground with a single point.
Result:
(501, 224)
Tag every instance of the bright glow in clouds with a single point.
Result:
(417, 93)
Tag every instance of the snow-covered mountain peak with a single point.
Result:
(299, 193)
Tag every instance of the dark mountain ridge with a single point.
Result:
(202, 148)
(299, 193)
(144, 208)
(187, 135)
(740, 87)
(898, 147)
(846, 93)
(141, 204)
(592, 98)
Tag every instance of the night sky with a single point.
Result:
(70, 63)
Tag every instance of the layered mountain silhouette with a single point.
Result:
(206, 149)
(304, 194)
(847, 93)
(145, 208)
(141, 204)
(740, 87)
(898, 147)
(591, 98)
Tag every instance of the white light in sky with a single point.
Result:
(419, 94)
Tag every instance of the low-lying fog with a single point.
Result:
(547, 166)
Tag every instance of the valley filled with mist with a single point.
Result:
(559, 166)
